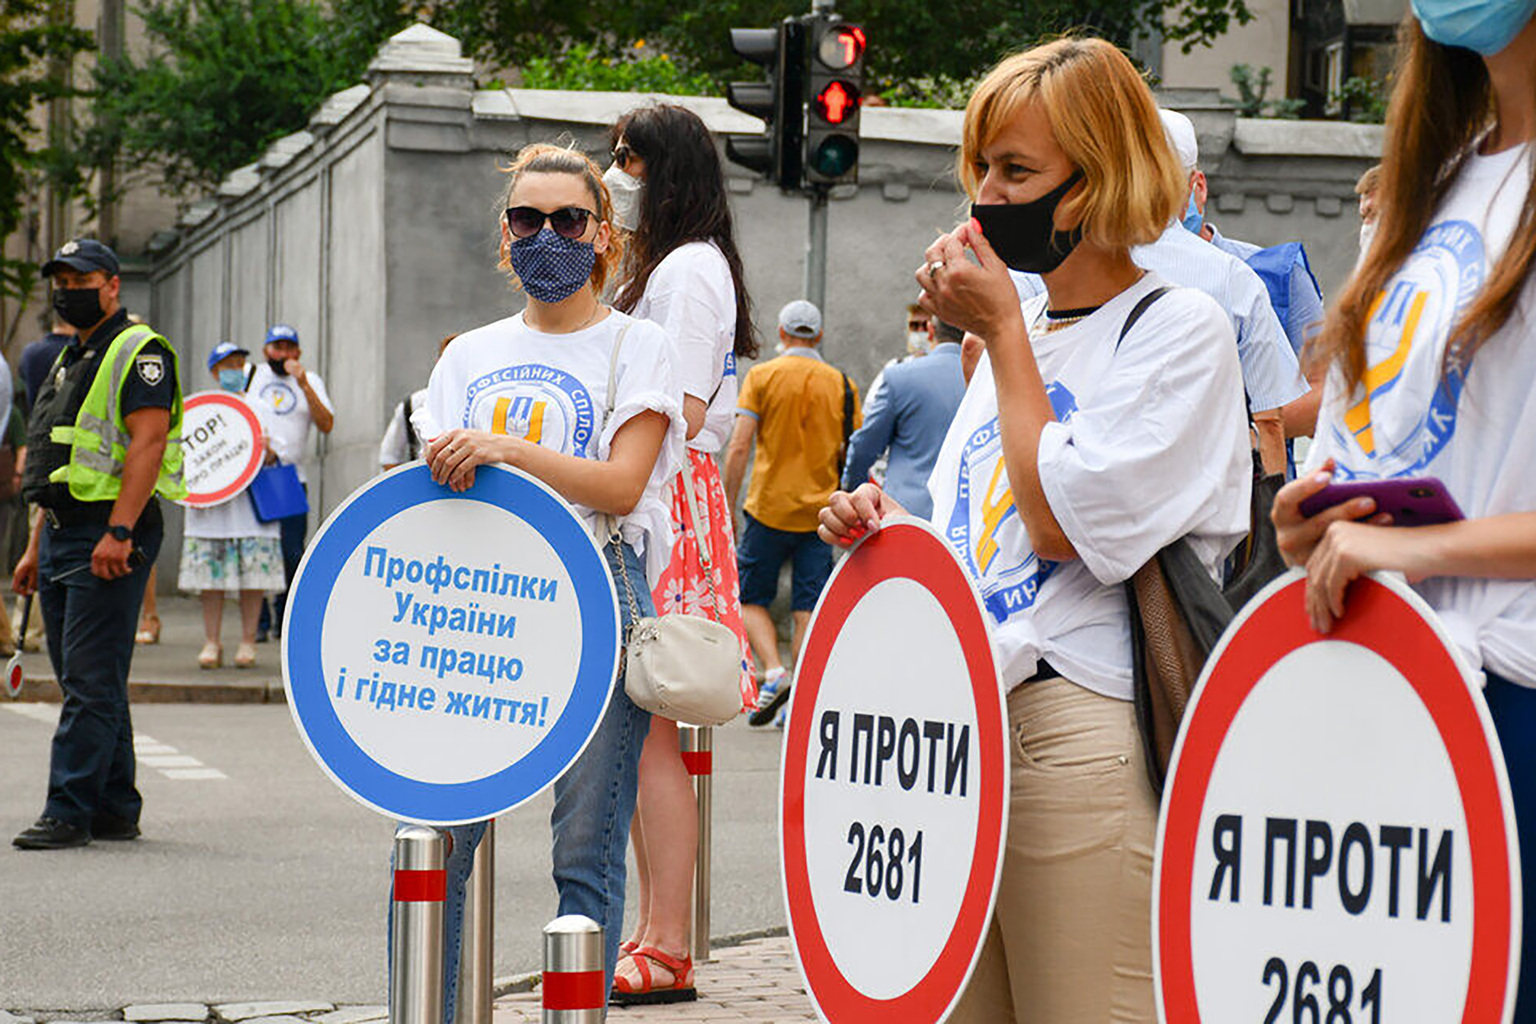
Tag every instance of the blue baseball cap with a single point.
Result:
(281, 332)
(84, 255)
(222, 351)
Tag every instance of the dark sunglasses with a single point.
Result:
(568, 221)
(621, 155)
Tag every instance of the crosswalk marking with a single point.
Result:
(48, 714)
(151, 753)
(141, 748)
(193, 773)
(171, 761)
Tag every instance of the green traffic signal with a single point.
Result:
(835, 156)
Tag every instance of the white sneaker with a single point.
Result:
(771, 696)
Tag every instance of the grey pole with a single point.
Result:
(416, 970)
(816, 253)
(697, 745)
(477, 958)
(573, 989)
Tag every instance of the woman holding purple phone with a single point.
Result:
(1432, 373)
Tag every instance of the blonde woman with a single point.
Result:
(1105, 420)
(558, 243)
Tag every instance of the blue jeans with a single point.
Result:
(90, 624)
(293, 531)
(594, 803)
(1513, 710)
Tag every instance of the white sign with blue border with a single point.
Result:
(447, 656)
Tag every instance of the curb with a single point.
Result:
(45, 690)
(514, 984)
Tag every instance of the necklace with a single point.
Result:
(1056, 319)
(596, 312)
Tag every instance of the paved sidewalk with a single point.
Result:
(167, 672)
(755, 981)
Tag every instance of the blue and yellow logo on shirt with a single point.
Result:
(985, 530)
(541, 404)
(280, 397)
(1406, 324)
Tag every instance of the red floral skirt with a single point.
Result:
(682, 587)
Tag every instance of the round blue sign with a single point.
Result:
(446, 655)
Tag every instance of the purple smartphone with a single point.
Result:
(1411, 501)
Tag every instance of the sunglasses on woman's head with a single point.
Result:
(568, 221)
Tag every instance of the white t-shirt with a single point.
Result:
(1150, 444)
(552, 389)
(1476, 433)
(236, 517)
(1271, 373)
(692, 297)
(395, 447)
(290, 420)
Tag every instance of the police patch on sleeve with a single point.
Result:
(151, 368)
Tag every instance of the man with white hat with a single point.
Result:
(800, 410)
(1293, 290)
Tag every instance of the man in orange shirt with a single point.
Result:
(800, 410)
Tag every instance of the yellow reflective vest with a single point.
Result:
(98, 442)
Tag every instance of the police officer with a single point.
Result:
(103, 440)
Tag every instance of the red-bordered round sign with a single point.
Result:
(221, 445)
(894, 798)
(1337, 830)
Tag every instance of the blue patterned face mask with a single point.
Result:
(552, 268)
(232, 380)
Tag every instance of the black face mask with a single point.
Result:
(78, 307)
(279, 366)
(1024, 235)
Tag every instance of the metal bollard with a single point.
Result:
(420, 883)
(477, 955)
(573, 988)
(696, 743)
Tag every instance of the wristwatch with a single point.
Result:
(120, 532)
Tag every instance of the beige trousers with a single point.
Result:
(1071, 941)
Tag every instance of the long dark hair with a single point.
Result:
(1441, 105)
(684, 200)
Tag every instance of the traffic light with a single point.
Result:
(780, 101)
(834, 90)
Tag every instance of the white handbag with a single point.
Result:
(683, 667)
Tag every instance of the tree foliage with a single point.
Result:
(909, 39)
(582, 68)
(224, 78)
(30, 50)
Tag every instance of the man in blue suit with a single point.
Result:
(909, 413)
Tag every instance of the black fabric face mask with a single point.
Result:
(279, 366)
(78, 307)
(1024, 235)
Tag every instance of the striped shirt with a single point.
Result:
(1271, 375)
(1306, 306)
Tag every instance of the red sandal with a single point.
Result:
(648, 994)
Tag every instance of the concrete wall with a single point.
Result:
(374, 231)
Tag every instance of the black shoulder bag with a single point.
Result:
(1178, 613)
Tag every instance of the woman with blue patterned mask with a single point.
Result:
(585, 398)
